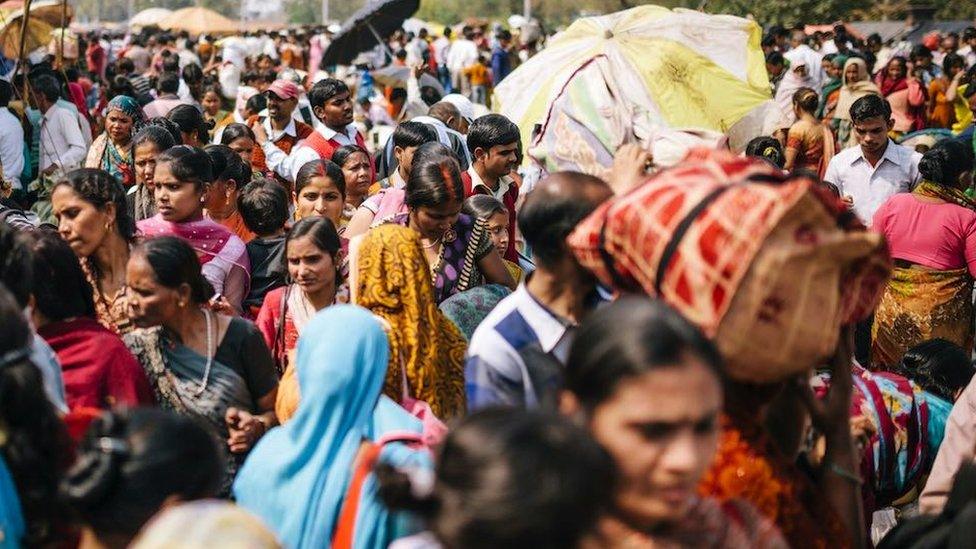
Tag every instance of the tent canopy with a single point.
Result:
(149, 17)
(197, 21)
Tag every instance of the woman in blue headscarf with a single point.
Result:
(112, 150)
(12, 527)
(297, 477)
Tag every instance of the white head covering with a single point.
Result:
(463, 104)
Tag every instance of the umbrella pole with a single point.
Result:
(21, 58)
(379, 39)
(64, 18)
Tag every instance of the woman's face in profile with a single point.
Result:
(662, 445)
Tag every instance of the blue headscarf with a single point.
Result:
(127, 106)
(12, 527)
(297, 476)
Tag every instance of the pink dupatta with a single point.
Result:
(218, 249)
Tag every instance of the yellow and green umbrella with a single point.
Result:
(638, 75)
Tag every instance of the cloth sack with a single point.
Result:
(767, 265)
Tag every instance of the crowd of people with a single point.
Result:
(248, 301)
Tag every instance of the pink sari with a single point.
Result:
(222, 254)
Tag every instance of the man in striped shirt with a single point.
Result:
(517, 354)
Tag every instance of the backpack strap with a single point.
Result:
(280, 348)
(345, 531)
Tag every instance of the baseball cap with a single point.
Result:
(284, 89)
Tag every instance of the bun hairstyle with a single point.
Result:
(169, 126)
(130, 462)
(946, 162)
(228, 165)
(189, 164)
(497, 485)
(435, 177)
(190, 120)
(767, 148)
(99, 188)
(36, 440)
(175, 263)
(938, 366)
(807, 100)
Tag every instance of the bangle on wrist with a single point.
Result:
(844, 473)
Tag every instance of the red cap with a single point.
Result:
(284, 89)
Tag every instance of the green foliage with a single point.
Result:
(556, 13)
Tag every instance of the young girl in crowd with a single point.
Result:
(133, 464)
(240, 139)
(201, 364)
(312, 259)
(183, 178)
(194, 128)
(147, 145)
(491, 210)
(320, 189)
(212, 103)
(93, 219)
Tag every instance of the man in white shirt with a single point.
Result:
(877, 168)
(62, 144)
(463, 54)
(333, 106)
(11, 139)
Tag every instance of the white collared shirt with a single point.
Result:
(11, 147)
(61, 141)
(273, 135)
(504, 183)
(287, 165)
(346, 138)
(870, 186)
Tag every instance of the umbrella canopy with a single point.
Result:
(366, 28)
(197, 21)
(49, 11)
(396, 76)
(149, 17)
(38, 29)
(665, 78)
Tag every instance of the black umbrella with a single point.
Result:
(366, 28)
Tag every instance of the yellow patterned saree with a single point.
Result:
(922, 304)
